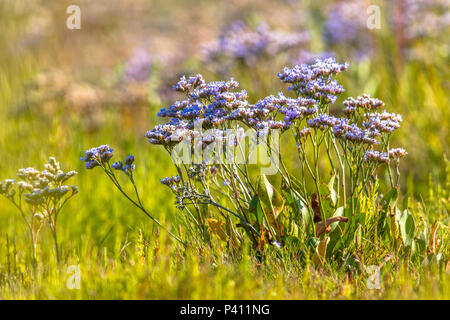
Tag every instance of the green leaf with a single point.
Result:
(270, 198)
(357, 238)
(407, 228)
(335, 233)
(332, 192)
(255, 209)
(392, 197)
(339, 212)
(253, 204)
(312, 242)
(405, 202)
(265, 191)
(259, 213)
(300, 207)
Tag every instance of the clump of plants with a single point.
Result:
(40, 197)
(338, 197)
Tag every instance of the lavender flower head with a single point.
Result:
(207, 105)
(397, 153)
(383, 122)
(126, 165)
(376, 156)
(97, 156)
(343, 129)
(323, 121)
(171, 182)
(364, 102)
(315, 81)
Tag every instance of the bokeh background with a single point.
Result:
(63, 91)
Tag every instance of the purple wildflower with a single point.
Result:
(314, 81)
(376, 156)
(397, 153)
(364, 102)
(97, 156)
(383, 122)
(126, 166)
(323, 121)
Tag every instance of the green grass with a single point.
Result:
(114, 245)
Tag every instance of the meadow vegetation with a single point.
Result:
(360, 182)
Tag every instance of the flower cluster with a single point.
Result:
(385, 157)
(97, 156)
(36, 186)
(364, 102)
(322, 121)
(356, 134)
(383, 122)
(376, 156)
(208, 102)
(262, 115)
(239, 42)
(101, 156)
(126, 165)
(45, 193)
(343, 129)
(7, 187)
(315, 81)
(217, 107)
(207, 105)
(397, 153)
(171, 182)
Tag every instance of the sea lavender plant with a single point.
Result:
(40, 196)
(348, 143)
(339, 160)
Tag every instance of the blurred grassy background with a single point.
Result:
(61, 92)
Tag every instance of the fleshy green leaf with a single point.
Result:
(407, 228)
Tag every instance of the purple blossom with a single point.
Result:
(364, 102)
(397, 153)
(353, 133)
(169, 133)
(305, 73)
(171, 182)
(383, 122)
(126, 166)
(376, 156)
(315, 81)
(96, 156)
(323, 121)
